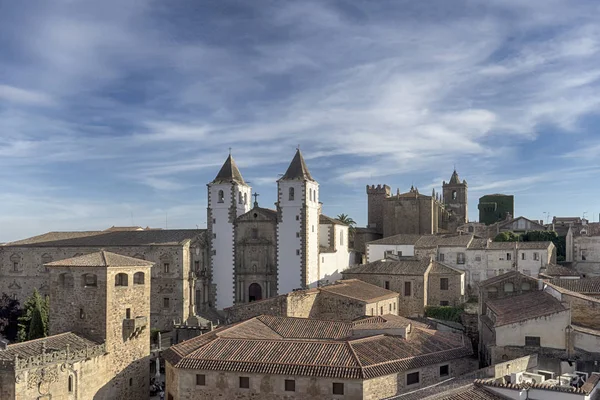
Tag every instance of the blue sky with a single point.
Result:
(116, 112)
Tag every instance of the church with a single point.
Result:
(256, 253)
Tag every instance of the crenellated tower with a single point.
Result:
(376, 196)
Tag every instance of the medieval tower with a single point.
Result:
(456, 200)
(228, 198)
(105, 297)
(298, 227)
(376, 197)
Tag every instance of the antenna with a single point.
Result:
(230, 151)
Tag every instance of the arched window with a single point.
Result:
(291, 197)
(221, 196)
(315, 195)
(70, 384)
(15, 260)
(525, 286)
(245, 198)
(341, 238)
(254, 292)
(310, 194)
(454, 195)
(240, 198)
(121, 279)
(66, 280)
(138, 278)
(89, 280)
(471, 229)
(509, 287)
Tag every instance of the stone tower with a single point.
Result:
(297, 228)
(456, 199)
(228, 198)
(105, 297)
(376, 197)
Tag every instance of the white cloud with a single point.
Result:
(23, 96)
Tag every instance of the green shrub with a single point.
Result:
(445, 313)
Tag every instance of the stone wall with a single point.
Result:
(182, 385)
(409, 215)
(453, 295)
(585, 311)
(295, 304)
(376, 196)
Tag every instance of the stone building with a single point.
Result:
(271, 357)
(100, 338)
(420, 282)
(179, 278)
(495, 207)
(346, 300)
(517, 225)
(415, 213)
(582, 248)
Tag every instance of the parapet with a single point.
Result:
(379, 189)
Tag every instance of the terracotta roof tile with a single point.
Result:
(461, 389)
(359, 290)
(523, 307)
(324, 219)
(460, 240)
(439, 268)
(582, 285)
(519, 245)
(391, 267)
(401, 239)
(101, 259)
(53, 343)
(559, 270)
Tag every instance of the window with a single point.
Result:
(245, 198)
(240, 198)
(441, 257)
(15, 266)
(254, 233)
(165, 302)
(166, 268)
(297, 234)
(454, 195)
(196, 265)
(138, 278)
(387, 285)
(291, 194)
(536, 256)
(388, 253)
(244, 382)
(412, 378)
(130, 381)
(460, 258)
(290, 385)
(372, 311)
(200, 380)
(444, 370)
(313, 228)
(81, 314)
(297, 218)
(169, 396)
(509, 287)
(214, 252)
(342, 238)
(70, 384)
(522, 256)
(525, 286)
(443, 283)
(297, 252)
(390, 307)
(532, 341)
(583, 255)
(221, 197)
(121, 279)
(394, 306)
(381, 310)
(214, 220)
(310, 194)
(407, 287)
(444, 303)
(508, 256)
(500, 271)
(477, 258)
(90, 280)
(214, 235)
(475, 276)
(66, 280)
(128, 313)
(471, 229)
(338, 388)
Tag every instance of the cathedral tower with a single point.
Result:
(298, 227)
(455, 198)
(228, 198)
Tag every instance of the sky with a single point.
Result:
(120, 112)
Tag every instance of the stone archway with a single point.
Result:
(254, 292)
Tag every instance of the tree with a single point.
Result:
(507, 237)
(346, 219)
(33, 324)
(9, 316)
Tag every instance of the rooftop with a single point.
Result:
(523, 307)
(439, 268)
(229, 173)
(401, 239)
(153, 237)
(519, 245)
(582, 285)
(297, 169)
(391, 267)
(359, 290)
(324, 219)
(101, 259)
(306, 347)
(559, 270)
(460, 240)
(587, 387)
(462, 389)
(507, 275)
(50, 344)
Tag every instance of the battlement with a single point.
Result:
(379, 189)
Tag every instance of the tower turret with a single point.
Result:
(456, 199)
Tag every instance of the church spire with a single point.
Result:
(454, 180)
(297, 169)
(229, 173)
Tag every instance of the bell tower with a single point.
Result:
(456, 200)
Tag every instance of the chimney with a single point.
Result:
(3, 344)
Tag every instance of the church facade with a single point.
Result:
(255, 252)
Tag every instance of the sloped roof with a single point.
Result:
(507, 275)
(158, 237)
(439, 268)
(267, 212)
(456, 389)
(297, 169)
(478, 244)
(525, 306)
(229, 173)
(519, 245)
(400, 239)
(391, 267)
(359, 290)
(559, 270)
(510, 221)
(101, 259)
(459, 240)
(454, 180)
(325, 220)
(33, 348)
(315, 354)
(582, 285)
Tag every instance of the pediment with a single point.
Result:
(14, 285)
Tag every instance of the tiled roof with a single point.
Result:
(401, 239)
(439, 268)
(53, 343)
(324, 219)
(463, 390)
(582, 285)
(101, 259)
(587, 387)
(265, 211)
(523, 307)
(359, 290)
(119, 238)
(460, 240)
(478, 244)
(391, 267)
(315, 353)
(297, 169)
(382, 322)
(499, 278)
(229, 172)
(454, 178)
(559, 270)
(519, 245)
